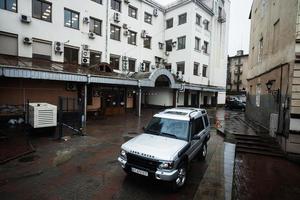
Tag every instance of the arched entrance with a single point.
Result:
(162, 81)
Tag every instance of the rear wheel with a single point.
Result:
(203, 152)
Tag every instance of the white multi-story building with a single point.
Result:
(183, 44)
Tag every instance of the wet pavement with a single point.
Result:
(87, 168)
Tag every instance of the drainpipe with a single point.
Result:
(139, 98)
(85, 104)
(106, 33)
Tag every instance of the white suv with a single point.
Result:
(170, 141)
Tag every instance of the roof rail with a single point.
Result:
(191, 113)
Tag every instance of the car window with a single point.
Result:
(163, 126)
(197, 126)
(206, 120)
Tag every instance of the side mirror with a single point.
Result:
(196, 137)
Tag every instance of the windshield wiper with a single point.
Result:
(151, 131)
(168, 134)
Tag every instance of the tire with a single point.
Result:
(180, 181)
(203, 152)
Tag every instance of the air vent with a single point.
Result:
(42, 115)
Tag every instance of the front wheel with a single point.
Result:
(181, 178)
(203, 152)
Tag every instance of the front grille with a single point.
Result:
(142, 162)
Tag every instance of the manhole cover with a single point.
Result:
(29, 158)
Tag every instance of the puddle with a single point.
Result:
(29, 158)
(62, 157)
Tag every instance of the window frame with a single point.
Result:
(129, 38)
(179, 17)
(112, 56)
(98, 2)
(112, 5)
(149, 15)
(98, 20)
(172, 20)
(130, 7)
(178, 65)
(183, 44)
(72, 51)
(95, 52)
(197, 71)
(72, 11)
(204, 70)
(205, 50)
(206, 24)
(150, 40)
(171, 45)
(5, 6)
(198, 22)
(119, 36)
(41, 16)
(197, 44)
(131, 60)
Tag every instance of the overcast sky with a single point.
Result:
(239, 25)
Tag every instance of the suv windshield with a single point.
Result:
(168, 127)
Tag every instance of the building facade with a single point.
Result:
(237, 70)
(273, 78)
(183, 45)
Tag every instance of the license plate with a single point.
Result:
(138, 171)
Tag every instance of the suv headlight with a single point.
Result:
(123, 154)
(166, 165)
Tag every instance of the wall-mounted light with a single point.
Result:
(275, 93)
(269, 85)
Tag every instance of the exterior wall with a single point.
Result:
(18, 91)
(274, 22)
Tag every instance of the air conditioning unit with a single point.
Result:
(27, 40)
(179, 75)
(85, 57)
(86, 20)
(125, 26)
(143, 33)
(117, 17)
(160, 45)
(167, 53)
(58, 47)
(124, 58)
(85, 46)
(126, 33)
(155, 12)
(174, 44)
(71, 86)
(42, 115)
(142, 67)
(126, 1)
(25, 19)
(91, 35)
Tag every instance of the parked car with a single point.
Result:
(168, 144)
(236, 104)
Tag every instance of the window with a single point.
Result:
(197, 44)
(182, 19)
(10, 42)
(198, 19)
(96, 26)
(132, 12)
(42, 10)
(10, 5)
(258, 92)
(169, 45)
(148, 18)
(70, 55)
(181, 43)
(204, 71)
(206, 24)
(147, 42)
(42, 49)
(146, 66)
(71, 19)
(115, 32)
(206, 120)
(95, 58)
(131, 65)
(180, 67)
(114, 61)
(276, 36)
(169, 23)
(196, 69)
(260, 50)
(97, 1)
(115, 5)
(205, 47)
(197, 126)
(132, 38)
